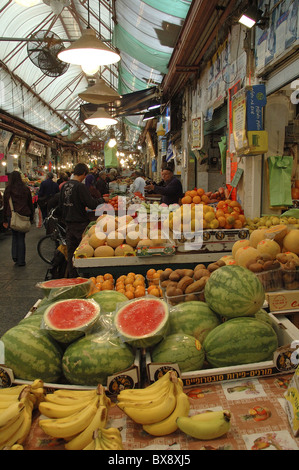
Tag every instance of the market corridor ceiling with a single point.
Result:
(42, 91)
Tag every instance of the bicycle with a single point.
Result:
(48, 244)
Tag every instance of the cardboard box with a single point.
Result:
(288, 337)
(283, 300)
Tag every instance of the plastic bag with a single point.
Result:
(280, 171)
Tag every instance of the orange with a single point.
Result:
(196, 199)
(139, 276)
(100, 278)
(193, 193)
(107, 285)
(205, 199)
(129, 280)
(129, 295)
(107, 276)
(242, 218)
(160, 271)
(219, 213)
(238, 224)
(222, 221)
(131, 275)
(122, 291)
(130, 287)
(186, 200)
(234, 204)
(221, 204)
(121, 278)
(138, 282)
(93, 279)
(139, 291)
(150, 273)
(156, 291)
(200, 191)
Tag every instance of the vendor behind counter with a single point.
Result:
(170, 188)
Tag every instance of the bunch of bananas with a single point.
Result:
(75, 415)
(157, 406)
(106, 439)
(16, 406)
(206, 426)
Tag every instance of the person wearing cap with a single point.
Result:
(47, 189)
(171, 188)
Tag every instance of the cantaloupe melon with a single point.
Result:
(91, 230)
(256, 236)
(97, 239)
(84, 250)
(106, 223)
(145, 242)
(245, 254)
(104, 251)
(238, 245)
(269, 247)
(115, 239)
(123, 249)
(291, 241)
(132, 238)
(276, 232)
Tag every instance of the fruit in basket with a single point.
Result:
(291, 241)
(245, 254)
(269, 247)
(68, 320)
(31, 352)
(256, 236)
(108, 300)
(181, 349)
(142, 322)
(234, 291)
(207, 425)
(240, 341)
(239, 244)
(91, 359)
(193, 318)
(66, 288)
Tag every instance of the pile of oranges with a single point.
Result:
(195, 196)
(102, 282)
(131, 285)
(230, 214)
(153, 280)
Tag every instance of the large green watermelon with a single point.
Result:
(181, 349)
(240, 341)
(91, 359)
(108, 300)
(31, 353)
(66, 288)
(69, 319)
(234, 291)
(193, 318)
(142, 322)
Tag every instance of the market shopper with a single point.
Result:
(101, 184)
(139, 183)
(22, 203)
(47, 189)
(74, 199)
(171, 188)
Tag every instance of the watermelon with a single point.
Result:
(66, 288)
(181, 349)
(234, 291)
(142, 322)
(193, 318)
(68, 320)
(240, 341)
(92, 359)
(31, 353)
(108, 299)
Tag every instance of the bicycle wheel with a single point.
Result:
(46, 248)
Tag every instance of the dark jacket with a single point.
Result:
(171, 192)
(74, 199)
(102, 186)
(22, 203)
(48, 188)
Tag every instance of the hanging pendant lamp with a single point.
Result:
(99, 93)
(101, 119)
(27, 3)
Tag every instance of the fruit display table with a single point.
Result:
(118, 265)
(258, 421)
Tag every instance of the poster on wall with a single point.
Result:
(239, 120)
(197, 133)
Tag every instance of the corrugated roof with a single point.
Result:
(144, 32)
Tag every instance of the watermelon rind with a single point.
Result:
(234, 291)
(92, 359)
(58, 289)
(181, 349)
(31, 353)
(194, 318)
(152, 337)
(108, 300)
(240, 341)
(67, 335)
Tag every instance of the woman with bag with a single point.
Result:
(17, 202)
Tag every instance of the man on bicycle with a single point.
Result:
(73, 201)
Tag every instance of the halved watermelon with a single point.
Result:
(66, 288)
(68, 320)
(143, 322)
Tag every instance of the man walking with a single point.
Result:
(74, 199)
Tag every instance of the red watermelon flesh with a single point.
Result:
(66, 288)
(69, 319)
(143, 322)
(64, 282)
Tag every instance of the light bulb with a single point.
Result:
(112, 143)
(90, 69)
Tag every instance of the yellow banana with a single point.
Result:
(98, 443)
(16, 390)
(54, 410)
(10, 413)
(37, 383)
(91, 445)
(103, 399)
(169, 424)
(75, 394)
(145, 403)
(70, 425)
(147, 391)
(66, 401)
(17, 447)
(8, 432)
(80, 441)
(146, 397)
(110, 439)
(206, 426)
(152, 414)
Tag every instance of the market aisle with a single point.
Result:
(18, 284)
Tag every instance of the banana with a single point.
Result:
(91, 445)
(110, 439)
(80, 441)
(169, 424)
(17, 447)
(148, 401)
(75, 394)
(145, 398)
(70, 425)
(54, 410)
(151, 414)
(206, 426)
(11, 413)
(8, 432)
(147, 391)
(98, 444)
(16, 390)
(37, 383)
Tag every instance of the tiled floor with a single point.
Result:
(18, 291)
